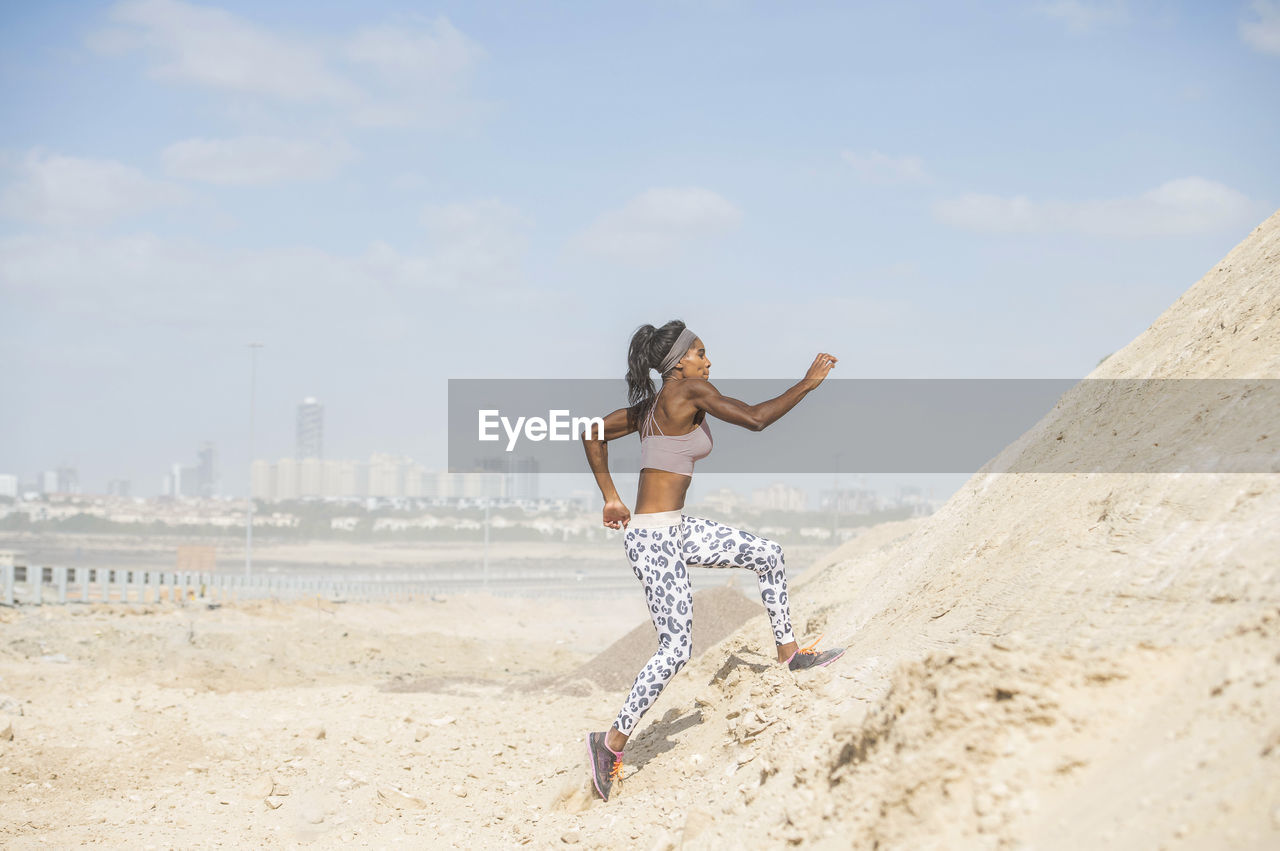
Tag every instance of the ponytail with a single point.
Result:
(649, 345)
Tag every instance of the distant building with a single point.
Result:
(850, 501)
(293, 478)
(475, 485)
(61, 480)
(724, 500)
(342, 479)
(173, 482)
(68, 480)
(200, 480)
(914, 498)
(262, 480)
(519, 476)
(205, 482)
(8, 485)
(287, 479)
(310, 429)
(118, 487)
(440, 485)
(779, 497)
(310, 477)
(415, 481)
(522, 478)
(387, 475)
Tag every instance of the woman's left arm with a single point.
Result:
(617, 424)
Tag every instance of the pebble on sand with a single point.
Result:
(262, 787)
(399, 799)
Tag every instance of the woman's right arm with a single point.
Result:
(618, 424)
(763, 414)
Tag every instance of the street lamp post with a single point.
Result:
(248, 526)
(835, 500)
(485, 573)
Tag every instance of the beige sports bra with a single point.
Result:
(673, 453)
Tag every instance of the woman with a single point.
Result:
(660, 541)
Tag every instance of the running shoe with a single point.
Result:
(808, 657)
(606, 764)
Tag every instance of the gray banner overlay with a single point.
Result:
(902, 426)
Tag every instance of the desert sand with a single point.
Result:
(1065, 660)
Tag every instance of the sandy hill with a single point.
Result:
(1060, 660)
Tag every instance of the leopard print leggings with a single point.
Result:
(659, 547)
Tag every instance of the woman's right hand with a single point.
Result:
(616, 515)
(822, 365)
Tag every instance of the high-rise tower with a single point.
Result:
(206, 472)
(310, 429)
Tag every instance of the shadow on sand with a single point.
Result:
(659, 737)
(733, 663)
(662, 736)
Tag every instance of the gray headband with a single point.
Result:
(678, 350)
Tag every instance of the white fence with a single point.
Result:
(44, 585)
(36, 585)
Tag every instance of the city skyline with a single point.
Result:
(203, 478)
(468, 491)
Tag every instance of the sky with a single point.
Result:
(387, 195)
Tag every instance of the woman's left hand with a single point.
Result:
(616, 515)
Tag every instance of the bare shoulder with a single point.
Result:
(695, 397)
(697, 390)
(619, 423)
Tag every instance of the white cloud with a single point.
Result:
(215, 48)
(140, 276)
(416, 76)
(876, 167)
(69, 191)
(659, 223)
(1189, 205)
(1262, 32)
(1081, 17)
(436, 55)
(254, 159)
(388, 75)
(480, 243)
(141, 279)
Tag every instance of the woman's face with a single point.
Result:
(696, 363)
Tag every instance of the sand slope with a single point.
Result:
(1054, 659)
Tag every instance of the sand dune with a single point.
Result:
(1054, 660)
